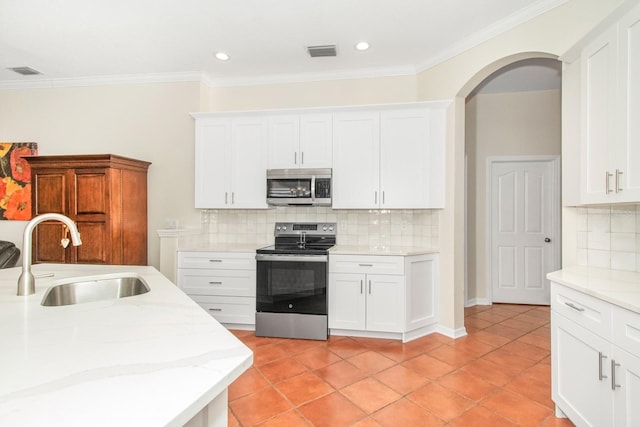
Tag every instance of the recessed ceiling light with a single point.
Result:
(362, 46)
(222, 56)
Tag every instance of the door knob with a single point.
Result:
(547, 240)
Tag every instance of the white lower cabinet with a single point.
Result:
(382, 296)
(595, 363)
(224, 284)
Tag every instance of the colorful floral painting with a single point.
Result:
(15, 180)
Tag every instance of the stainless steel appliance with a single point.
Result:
(299, 187)
(291, 281)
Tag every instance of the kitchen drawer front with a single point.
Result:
(591, 313)
(217, 282)
(374, 264)
(229, 309)
(217, 260)
(626, 330)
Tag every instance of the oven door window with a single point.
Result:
(289, 188)
(291, 287)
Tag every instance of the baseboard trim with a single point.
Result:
(451, 333)
(477, 301)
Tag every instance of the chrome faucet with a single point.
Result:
(26, 281)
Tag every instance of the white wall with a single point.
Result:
(502, 124)
(148, 122)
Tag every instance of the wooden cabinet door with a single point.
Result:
(50, 195)
(356, 160)
(316, 141)
(577, 386)
(385, 303)
(347, 301)
(90, 206)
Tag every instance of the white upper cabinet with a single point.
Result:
(609, 138)
(230, 163)
(300, 141)
(356, 160)
(391, 158)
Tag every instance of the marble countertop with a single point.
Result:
(387, 250)
(621, 288)
(154, 359)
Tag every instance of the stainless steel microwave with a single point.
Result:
(310, 187)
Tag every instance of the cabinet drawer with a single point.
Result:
(217, 260)
(589, 312)
(626, 330)
(374, 264)
(217, 282)
(229, 309)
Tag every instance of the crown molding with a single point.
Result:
(127, 79)
(512, 21)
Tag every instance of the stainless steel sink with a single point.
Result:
(94, 288)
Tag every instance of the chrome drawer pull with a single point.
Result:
(215, 283)
(360, 286)
(575, 307)
(613, 375)
(601, 356)
(215, 309)
(215, 260)
(365, 265)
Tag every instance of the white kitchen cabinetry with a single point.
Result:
(382, 296)
(230, 162)
(300, 141)
(222, 283)
(389, 158)
(609, 136)
(595, 367)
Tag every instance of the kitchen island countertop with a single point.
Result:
(154, 359)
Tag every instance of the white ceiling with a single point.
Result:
(70, 40)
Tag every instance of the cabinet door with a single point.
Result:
(249, 163)
(404, 155)
(50, 195)
(599, 88)
(385, 303)
(316, 141)
(629, 158)
(356, 160)
(627, 389)
(91, 206)
(212, 163)
(421, 284)
(284, 142)
(578, 359)
(347, 301)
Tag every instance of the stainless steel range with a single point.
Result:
(291, 281)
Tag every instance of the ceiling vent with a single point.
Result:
(327, 50)
(25, 71)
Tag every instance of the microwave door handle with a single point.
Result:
(313, 188)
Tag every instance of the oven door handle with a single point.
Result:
(292, 258)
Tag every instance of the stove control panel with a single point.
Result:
(310, 228)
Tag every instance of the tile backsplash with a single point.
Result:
(609, 236)
(374, 228)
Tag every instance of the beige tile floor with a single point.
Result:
(498, 375)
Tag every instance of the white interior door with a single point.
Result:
(524, 221)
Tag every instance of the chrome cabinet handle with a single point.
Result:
(369, 287)
(614, 386)
(365, 265)
(233, 198)
(215, 260)
(361, 283)
(601, 375)
(607, 187)
(302, 157)
(375, 198)
(313, 187)
(572, 305)
(226, 197)
(383, 197)
(618, 173)
(295, 157)
(215, 309)
(215, 283)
